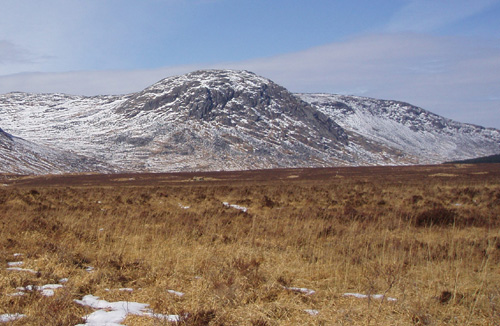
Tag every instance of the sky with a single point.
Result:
(441, 55)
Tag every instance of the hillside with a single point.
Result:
(23, 157)
(410, 129)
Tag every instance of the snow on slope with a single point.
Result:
(232, 120)
(412, 130)
(23, 157)
(224, 119)
(206, 120)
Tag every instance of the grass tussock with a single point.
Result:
(431, 243)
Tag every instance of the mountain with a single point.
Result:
(205, 120)
(232, 120)
(23, 157)
(223, 120)
(410, 129)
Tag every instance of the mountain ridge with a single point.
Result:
(235, 120)
(407, 127)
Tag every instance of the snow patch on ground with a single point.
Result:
(46, 290)
(369, 296)
(300, 290)
(184, 207)
(241, 208)
(113, 313)
(5, 318)
(14, 266)
(18, 269)
(177, 293)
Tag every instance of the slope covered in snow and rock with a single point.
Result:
(230, 120)
(410, 129)
(23, 157)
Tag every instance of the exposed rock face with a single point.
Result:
(228, 120)
(231, 99)
(5, 139)
(223, 119)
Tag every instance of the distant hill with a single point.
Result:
(485, 159)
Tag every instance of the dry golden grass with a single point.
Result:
(432, 243)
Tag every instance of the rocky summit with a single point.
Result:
(227, 120)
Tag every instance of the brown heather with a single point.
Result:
(427, 236)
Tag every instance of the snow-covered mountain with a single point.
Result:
(228, 120)
(410, 129)
(23, 157)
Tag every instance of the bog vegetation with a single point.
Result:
(384, 246)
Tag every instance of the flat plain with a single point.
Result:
(415, 245)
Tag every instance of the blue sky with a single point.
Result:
(441, 55)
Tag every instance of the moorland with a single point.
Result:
(415, 245)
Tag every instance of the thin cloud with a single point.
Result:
(12, 53)
(428, 15)
(446, 75)
(103, 82)
(363, 61)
